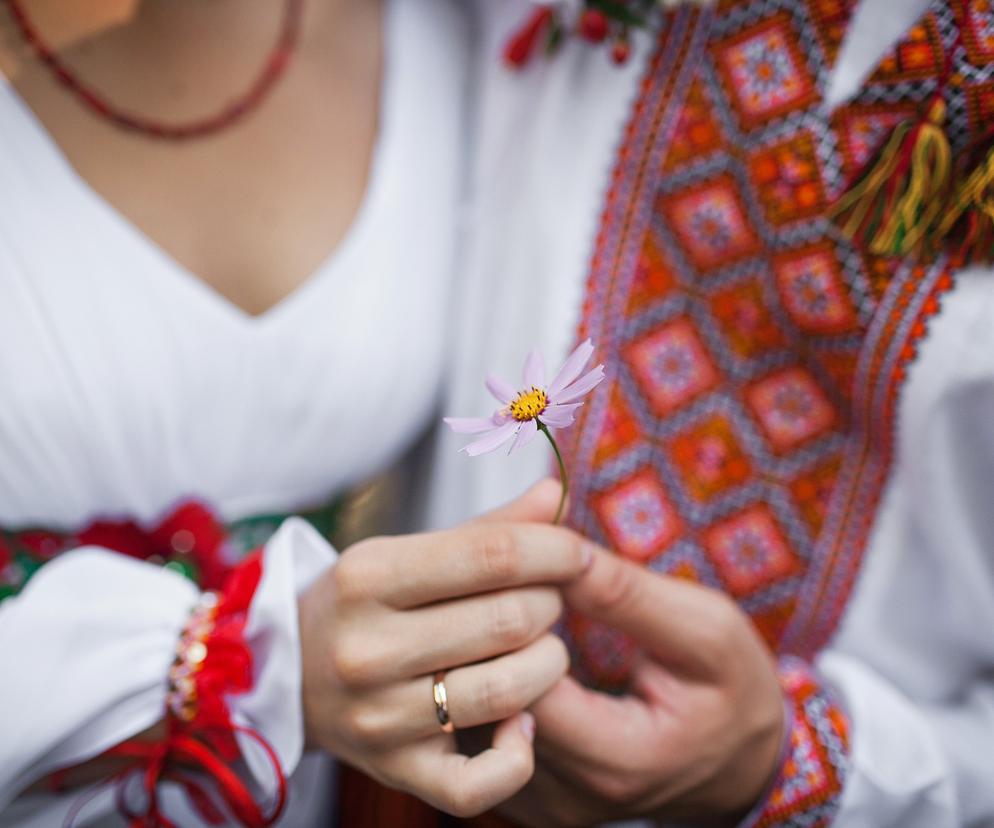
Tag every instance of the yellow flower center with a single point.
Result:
(528, 404)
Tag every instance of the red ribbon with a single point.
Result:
(181, 758)
(204, 746)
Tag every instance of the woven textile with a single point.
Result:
(745, 433)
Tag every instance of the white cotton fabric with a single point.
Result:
(914, 657)
(127, 385)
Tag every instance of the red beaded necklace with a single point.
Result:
(229, 114)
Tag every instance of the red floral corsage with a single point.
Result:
(608, 22)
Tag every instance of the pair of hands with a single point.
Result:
(698, 736)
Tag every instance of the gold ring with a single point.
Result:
(442, 702)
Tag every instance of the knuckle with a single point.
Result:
(511, 624)
(463, 801)
(620, 588)
(499, 553)
(364, 726)
(573, 545)
(550, 603)
(719, 638)
(618, 788)
(725, 629)
(349, 575)
(559, 654)
(498, 696)
(353, 663)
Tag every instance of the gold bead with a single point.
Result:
(196, 652)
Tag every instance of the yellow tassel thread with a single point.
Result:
(968, 223)
(891, 217)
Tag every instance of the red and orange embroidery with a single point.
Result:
(746, 432)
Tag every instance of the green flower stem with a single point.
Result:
(562, 470)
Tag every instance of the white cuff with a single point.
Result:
(898, 775)
(293, 558)
(85, 650)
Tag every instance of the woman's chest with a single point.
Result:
(131, 383)
(252, 208)
(126, 385)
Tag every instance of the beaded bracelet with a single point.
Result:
(191, 652)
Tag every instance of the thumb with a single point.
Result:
(537, 505)
(678, 622)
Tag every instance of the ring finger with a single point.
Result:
(477, 694)
(471, 629)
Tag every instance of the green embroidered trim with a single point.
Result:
(19, 561)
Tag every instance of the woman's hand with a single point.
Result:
(474, 601)
(698, 738)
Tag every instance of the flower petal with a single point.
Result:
(559, 416)
(582, 386)
(470, 425)
(529, 429)
(494, 440)
(503, 391)
(534, 370)
(572, 367)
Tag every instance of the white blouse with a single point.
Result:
(127, 385)
(914, 657)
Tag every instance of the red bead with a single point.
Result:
(593, 25)
(621, 50)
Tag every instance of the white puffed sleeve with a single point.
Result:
(87, 645)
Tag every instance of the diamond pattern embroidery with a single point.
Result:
(638, 517)
(863, 130)
(746, 433)
(672, 365)
(765, 71)
(918, 55)
(812, 290)
(710, 458)
(711, 224)
(750, 551)
(787, 179)
(737, 321)
(978, 30)
(791, 408)
(697, 133)
(744, 317)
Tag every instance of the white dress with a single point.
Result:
(914, 656)
(127, 385)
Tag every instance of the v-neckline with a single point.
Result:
(358, 229)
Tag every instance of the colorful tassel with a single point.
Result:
(894, 208)
(968, 224)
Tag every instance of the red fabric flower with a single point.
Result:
(6, 557)
(124, 537)
(41, 544)
(192, 529)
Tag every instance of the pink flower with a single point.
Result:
(539, 407)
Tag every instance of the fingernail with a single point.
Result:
(528, 726)
(586, 556)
